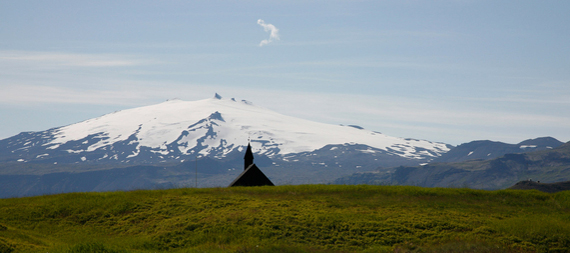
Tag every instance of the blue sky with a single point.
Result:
(450, 71)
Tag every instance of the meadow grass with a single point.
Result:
(305, 218)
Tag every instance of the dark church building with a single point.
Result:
(251, 175)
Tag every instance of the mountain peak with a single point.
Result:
(217, 96)
(541, 141)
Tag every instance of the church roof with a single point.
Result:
(252, 176)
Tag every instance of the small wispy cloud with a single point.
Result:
(273, 32)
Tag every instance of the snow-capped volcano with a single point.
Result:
(215, 127)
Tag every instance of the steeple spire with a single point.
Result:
(248, 158)
(251, 175)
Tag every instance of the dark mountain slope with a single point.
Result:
(499, 173)
(486, 150)
(204, 172)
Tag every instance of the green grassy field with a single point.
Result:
(307, 218)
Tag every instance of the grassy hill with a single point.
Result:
(308, 218)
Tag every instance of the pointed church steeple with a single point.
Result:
(248, 158)
(251, 175)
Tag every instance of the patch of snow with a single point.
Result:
(368, 151)
(83, 158)
(527, 146)
(470, 153)
(162, 152)
(21, 160)
(135, 152)
(40, 156)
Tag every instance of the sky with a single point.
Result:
(449, 71)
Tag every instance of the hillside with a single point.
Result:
(309, 218)
(547, 166)
(487, 150)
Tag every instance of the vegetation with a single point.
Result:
(308, 218)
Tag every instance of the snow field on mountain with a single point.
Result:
(156, 126)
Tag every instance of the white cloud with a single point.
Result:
(273, 32)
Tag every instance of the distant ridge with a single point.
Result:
(550, 165)
(487, 150)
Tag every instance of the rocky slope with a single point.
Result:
(547, 166)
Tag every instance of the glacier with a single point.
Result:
(214, 127)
